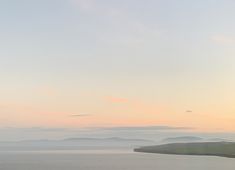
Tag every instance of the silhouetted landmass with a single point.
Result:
(224, 149)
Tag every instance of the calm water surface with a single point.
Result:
(109, 160)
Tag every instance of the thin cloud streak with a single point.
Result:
(223, 39)
(33, 129)
(112, 99)
(189, 111)
(79, 115)
(85, 5)
(125, 128)
(131, 128)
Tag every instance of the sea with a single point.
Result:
(109, 160)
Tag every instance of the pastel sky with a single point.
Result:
(113, 63)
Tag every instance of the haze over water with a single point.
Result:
(98, 160)
(78, 76)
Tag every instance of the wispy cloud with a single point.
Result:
(126, 30)
(188, 111)
(117, 128)
(134, 128)
(80, 115)
(113, 99)
(48, 90)
(33, 129)
(85, 5)
(223, 39)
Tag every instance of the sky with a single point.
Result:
(117, 63)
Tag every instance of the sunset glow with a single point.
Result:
(118, 64)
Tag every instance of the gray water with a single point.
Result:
(109, 160)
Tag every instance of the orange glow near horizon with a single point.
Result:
(114, 113)
(91, 63)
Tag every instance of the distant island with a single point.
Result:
(224, 149)
(182, 139)
(76, 144)
(191, 139)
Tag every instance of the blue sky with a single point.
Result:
(99, 37)
(103, 58)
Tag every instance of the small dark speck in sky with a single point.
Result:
(79, 115)
(189, 111)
